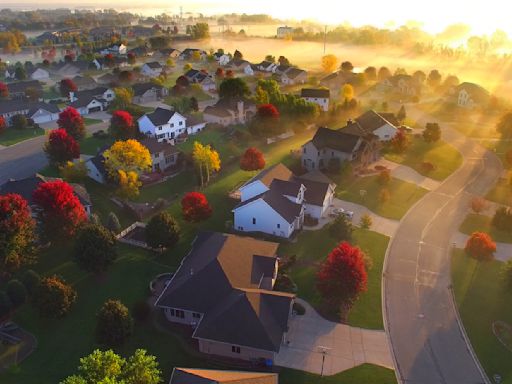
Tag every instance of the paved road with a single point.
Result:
(26, 158)
(427, 341)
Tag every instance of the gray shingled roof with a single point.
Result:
(310, 92)
(337, 140)
(160, 116)
(366, 124)
(21, 86)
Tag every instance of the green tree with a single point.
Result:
(113, 223)
(366, 221)
(162, 231)
(233, 88)
(200, 31)
(19, 122)
(432, 133)
(54, 297)
(142, 368)
(114, 323)
(95, 248)
(20, 73)
(341, 228)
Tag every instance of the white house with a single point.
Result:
(87, 105)
(470, 95)
(152, 69)
(40, 74)
(318, 96)
(163, 124)
(371, 122)
(275, 201)
(294, 76)
(43, 113)
(223, 59)
(95, 166)
(267, 66)
(115, 49)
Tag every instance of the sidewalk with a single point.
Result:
(503, 250)
(408, 174)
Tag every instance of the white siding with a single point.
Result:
(386, 132)
(93, 172)
(266, 220)
(254, 189)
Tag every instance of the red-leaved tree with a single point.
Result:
(219, 73)
(480, 246)
(4, 91)
(195, 207)
(3, 124)
(267, 112)
(109, 60)
(66, 86)
(399, 142)
(61, 147)
(61, 211)
(121, 125)
(17, 229)
(71, 120)
(252, 160)
(342, 276)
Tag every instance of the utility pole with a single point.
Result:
(325, 37)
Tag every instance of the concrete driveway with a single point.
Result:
(345, 346)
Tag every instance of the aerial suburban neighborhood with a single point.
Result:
(202, 194)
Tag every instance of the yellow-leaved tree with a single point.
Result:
(347, 92)
(207, 161)
(329, 63)
(125, 161)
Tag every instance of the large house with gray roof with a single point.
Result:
(38, 112)
(223, 289)
(163, 124)
(211, 376)
(275, 201)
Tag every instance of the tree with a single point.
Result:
(252, 160)
(95, 248)
(61, 211)
(73, 172)
(200, 31)
(3, 124)
(342, 276)
(480, 246)
(341, 228)
(370, 73)
(17, 232)
(238, 55)
(384, 177)
(123, 98)
(54, 297)
(126, 77)
(195, 207)
(5, 306)
(419, 77)
(108, 367)
(400, 142)
(131, 58)
(347, 66)
(71, 120)
(127, 156)
(31, 281)
(32, 94)
(329, 63)
(478, 204)
(366, 221)
(266, 121)
(109, 60)
(230, 74)
(219, 73)
(384, 73)
(162, 231)
(61, 147)
(4, 91)
(283, 60)
(113, 223)
(114, 324)
(129, 184)
(432, 133)
(233, 89)
(402, 114)
(17, 292)
(19, 122)
(186, 67)
(206, 159)
(122, 126)
(20, 73)
(504, 126)
(502, 219)
(434, 78)
(66, 86)
(348, 92)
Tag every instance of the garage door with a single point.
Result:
(94, 109)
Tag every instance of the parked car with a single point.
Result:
(335, 212)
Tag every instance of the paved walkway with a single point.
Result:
(503, 250)
(345, 346)
(379, 224)
(408, 174)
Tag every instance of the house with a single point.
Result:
(202, 78)
(275, 201)
(188, 54)
(148, 92)
(163, 124)
(194, 124)
(107, 79)
(69, 70)
(318, 96)
(167, 53)
(39, 74)
(114, 49)
(266, 66)
(470, 95)
(95, 166)
(238, 65)
(17, 90)
(163, 154)
(372, 123)
(39, 112)
(26, 187)
(284, 32)
(330, 147)
(223, 290)
(403, 84)
(141, 51)
(281, 69)
(105, 94)
(152, 69)
(336, 80)
(88, 104)
(84, 83)
(222, 58)
(228, 112)
(210, 376)
(294, 76)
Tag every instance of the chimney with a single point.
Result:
(349, 121)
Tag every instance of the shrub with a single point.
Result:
(114, 323)
(341, 228)
(162, 231)
(427, 167)
(113, 223)
(478, 204)
(366, 221)
(480, 246)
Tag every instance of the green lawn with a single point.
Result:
(502, 192)
(482, 299)
(312, 248)
(362, 374)
(500, 147)
(12, 136)
(442, 155)
(402, 196)
(90, 144)
(89, 121)
(481, 223)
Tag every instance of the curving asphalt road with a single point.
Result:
(429, 345)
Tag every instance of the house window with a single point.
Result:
(171, 312)
(160, 128)
(172, 125)
(180, 314)
(304, 150)
(181, 122)
(196, 315)
(169, 159)
(235, 349)
(240, 228)
(278, 225)
(254, 220)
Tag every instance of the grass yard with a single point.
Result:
(12, 136)
(483, 298)
(442, 155)
(89, 121)
(481, 223)
(502, 192)
(500, 147)
(312, 248)
(402, 196)
(90, 144)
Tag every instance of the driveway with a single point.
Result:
(503, 250)
(380, 224)
(345, 347)
(408, 174)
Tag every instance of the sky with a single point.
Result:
(484, 17)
